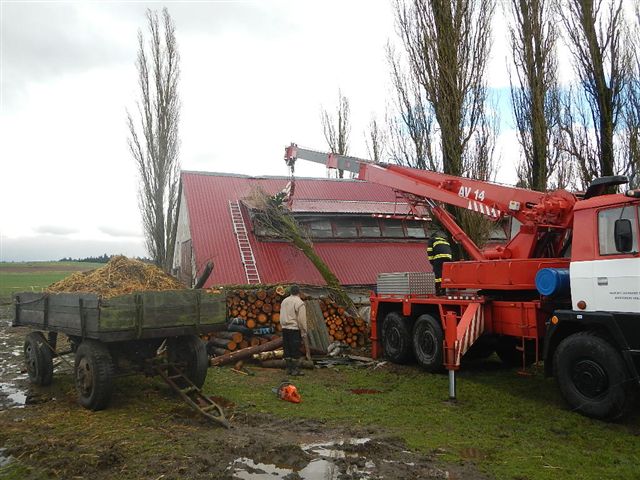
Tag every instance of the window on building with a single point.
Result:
(369, 228)
(392, 229)
(606, 223)
(415, 229)
(320, 229)
(345, 228)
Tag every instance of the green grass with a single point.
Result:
(513, 427)
(35, 276)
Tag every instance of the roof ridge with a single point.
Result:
(266, 177)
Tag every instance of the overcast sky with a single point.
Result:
(254, 76)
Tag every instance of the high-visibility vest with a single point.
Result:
(442, 253)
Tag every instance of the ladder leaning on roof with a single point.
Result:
(246, 252)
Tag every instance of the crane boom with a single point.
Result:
(539, 213)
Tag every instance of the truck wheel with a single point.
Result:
(39, 359)
(396, 338)
(592, 376)
(191, 352)
(427, 343)
(93, 374)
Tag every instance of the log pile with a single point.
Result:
(254, 324)
(342, 326)
(258, 308)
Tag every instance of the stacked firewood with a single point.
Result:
(258, 308)
(342, 326)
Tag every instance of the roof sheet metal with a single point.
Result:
(354, 263)
(352, 206)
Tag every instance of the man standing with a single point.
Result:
(293, 319)
(438, 252)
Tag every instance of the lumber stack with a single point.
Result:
(222, 343)
(342, 326)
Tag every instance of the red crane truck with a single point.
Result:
(566, 286)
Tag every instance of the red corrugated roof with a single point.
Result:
(355, 263)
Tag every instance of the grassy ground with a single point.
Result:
(509, 426)
(514, 427)
(34, 276)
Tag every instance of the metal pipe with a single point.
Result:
(452, 385)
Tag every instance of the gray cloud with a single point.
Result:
(119, 232)
(44, 248)
(55, 230)
(40, 40)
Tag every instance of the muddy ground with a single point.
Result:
(45, 434)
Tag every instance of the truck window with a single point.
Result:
(606, 222)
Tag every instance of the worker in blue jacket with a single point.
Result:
(438, 252)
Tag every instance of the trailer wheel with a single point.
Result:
(191, 352)
(38, 359)
(427, 343)
(396, 338)
(592, 377)
(93, 375)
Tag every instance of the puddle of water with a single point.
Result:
(246, 469)
(321, 467)
(4, 458)
(14, 395)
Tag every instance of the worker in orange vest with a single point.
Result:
(438, 252)
(293, 319)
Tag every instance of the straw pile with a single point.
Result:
(118, 277)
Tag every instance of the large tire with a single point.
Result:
(93, 375)
(509, 351)
(592, 377)
(38, 359)
(428, 340)
(396, 338)
(191, 353)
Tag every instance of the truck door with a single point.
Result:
(611, 282)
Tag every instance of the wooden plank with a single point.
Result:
(213, 308)
(118, 313)
(171, 308)
(318, 334)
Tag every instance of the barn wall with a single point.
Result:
(185, 272)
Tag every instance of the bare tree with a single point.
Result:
(535, 94)
(410, 122)
(631, 156)
(376, 141)
(337, 128)
(153, 138)
(595, 33)
(447, 45)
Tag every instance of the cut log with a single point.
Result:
(273, 354)
(218, 351)
(234, 336)
(246, 352)
(223, 343)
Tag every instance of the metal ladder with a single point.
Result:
(246, 252)
(192, 395)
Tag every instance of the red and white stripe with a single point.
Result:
(485, 210)
(471, 326)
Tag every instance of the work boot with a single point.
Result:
(296, 368)
(289, 366)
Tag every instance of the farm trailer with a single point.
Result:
(113, 336)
